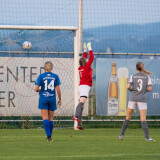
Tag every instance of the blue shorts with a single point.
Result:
(48, 103)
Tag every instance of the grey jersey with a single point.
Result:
(139, 83)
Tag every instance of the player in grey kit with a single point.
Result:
(138, 84)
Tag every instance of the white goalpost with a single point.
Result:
(16, 68)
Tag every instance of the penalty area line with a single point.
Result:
(80, 156)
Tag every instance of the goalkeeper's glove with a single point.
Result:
(89, 46)
(85, 47)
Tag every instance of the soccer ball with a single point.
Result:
(27, 45)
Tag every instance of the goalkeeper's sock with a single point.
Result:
(145, 129)
(51, 123)
(80, 117)
(47, 127)
(124, 126)
(79, 110)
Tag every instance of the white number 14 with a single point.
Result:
(49, 86)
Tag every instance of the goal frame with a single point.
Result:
(76, 49)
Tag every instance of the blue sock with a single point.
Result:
(47, 127)
(51, 123)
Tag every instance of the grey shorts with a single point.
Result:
(140, 105)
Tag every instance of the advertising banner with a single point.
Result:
(17, 83)
(111, 86)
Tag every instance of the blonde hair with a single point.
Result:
(48, 66)
(140, 67)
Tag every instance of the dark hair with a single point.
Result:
(82, 61)
(140, 67)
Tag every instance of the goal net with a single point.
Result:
(19, 69)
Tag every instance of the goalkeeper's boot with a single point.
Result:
(121, 137)
(80, 128)
(149, 139)
(49, 139)
(76, 119)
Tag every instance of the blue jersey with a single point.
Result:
(48, 81)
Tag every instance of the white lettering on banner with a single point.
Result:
(155, 80)
(114, 79)
(17, 83)
(155, 95)
(112, 106)
(9, 99)
(14, 74)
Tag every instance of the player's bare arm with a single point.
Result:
(59, 94)
(129, 87)
(37, 89)
(149, 89)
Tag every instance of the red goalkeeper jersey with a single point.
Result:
(85, 72)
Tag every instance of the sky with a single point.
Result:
(96, 13)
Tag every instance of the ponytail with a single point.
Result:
(140, 67)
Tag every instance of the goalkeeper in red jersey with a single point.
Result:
(85, 74)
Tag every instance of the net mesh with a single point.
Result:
(41, 40)
(19, 69)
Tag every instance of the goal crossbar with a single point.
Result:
(38, 27)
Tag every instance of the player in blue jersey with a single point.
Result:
(46, 84)
(138, 84)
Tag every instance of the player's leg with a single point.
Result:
(51, 107)
(83, 92)
(143, 113)
(130, 109)
(43, 106)
(51, 122)
(79, 108)
(82, 101)
(44, 114)
(78, 113)
(144, 123)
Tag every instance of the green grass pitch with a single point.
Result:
(68, 144)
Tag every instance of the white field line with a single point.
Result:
(65, 136)
(98, 129)
(118, 129)
(80, 156)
